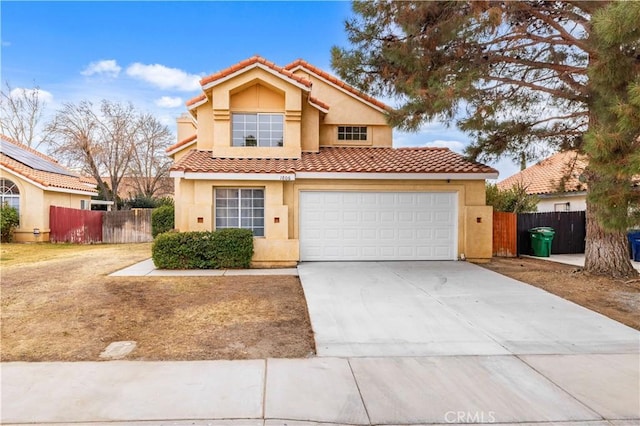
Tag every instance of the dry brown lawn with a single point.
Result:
(616, 299)
(58, 304)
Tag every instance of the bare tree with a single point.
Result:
(99, 143)
(150, 163)
(21, 113)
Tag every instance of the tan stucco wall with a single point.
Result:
(185, 127)
(34, 207)
(310, 128)
(345, 109)
(253, 91)
(194, 200)
(280, 246)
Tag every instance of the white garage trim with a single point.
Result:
(345, 225)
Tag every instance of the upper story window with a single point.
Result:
(352, 133)
(257, 129)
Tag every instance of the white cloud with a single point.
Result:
(455, 146)
(6, 43)
(43, 95)
(107, 67)
(165, 77)
(169, 102)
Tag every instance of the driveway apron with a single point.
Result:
(446, 308)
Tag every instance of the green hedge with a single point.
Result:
(9, 220)
(226, 248)
(162, 219)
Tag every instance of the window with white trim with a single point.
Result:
(562, 207)
(257, 129)
(9, 194)
(352, 133)
(240, 208)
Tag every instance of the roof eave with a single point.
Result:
(263, 67)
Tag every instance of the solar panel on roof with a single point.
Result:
(32, 160)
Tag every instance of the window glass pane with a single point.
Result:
(257, 129)
(240, 208)
(348, 133)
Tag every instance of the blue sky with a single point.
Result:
(153, 53)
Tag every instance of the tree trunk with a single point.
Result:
(606, 252)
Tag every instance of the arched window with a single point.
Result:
(10, 194)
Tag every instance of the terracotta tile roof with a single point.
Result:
(182, 143)
(558, 173)
(252, 61)
(46, 179)
(335, 80)
(319, 103)
(195, 100)
(339, 160)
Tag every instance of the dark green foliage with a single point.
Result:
(9, 220)
(162, 219)
(519, 77)
(140, 203)
(226, 248)
(513, 200)
(234, 248)
(144, 202)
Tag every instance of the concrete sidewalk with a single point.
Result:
(546, 389)
(572, 259)
(146, 268)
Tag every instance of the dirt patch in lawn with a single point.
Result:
(616, 299)
(66, 308)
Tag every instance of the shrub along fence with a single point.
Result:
(511, 232)
(88, 227)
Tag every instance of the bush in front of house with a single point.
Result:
(9, 220)
(226, 248)
(162, 219)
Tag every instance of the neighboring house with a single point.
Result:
(32, 182)
(555, 180)
(306, 162)
(128, 187)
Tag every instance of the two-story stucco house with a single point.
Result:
(306, 162)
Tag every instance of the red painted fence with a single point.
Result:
(75, 226)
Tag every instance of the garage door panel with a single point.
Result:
(377, 225)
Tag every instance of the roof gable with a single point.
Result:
(249, 64)
(337, 83)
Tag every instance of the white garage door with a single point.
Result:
(378, 225)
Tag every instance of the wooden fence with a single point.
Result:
(127, 226)
(88, 227)
(570, 231)
(74, 226)
(511, 232)
(505, 237)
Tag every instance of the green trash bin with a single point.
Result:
(541, 239)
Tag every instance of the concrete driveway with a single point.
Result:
(362, 309)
